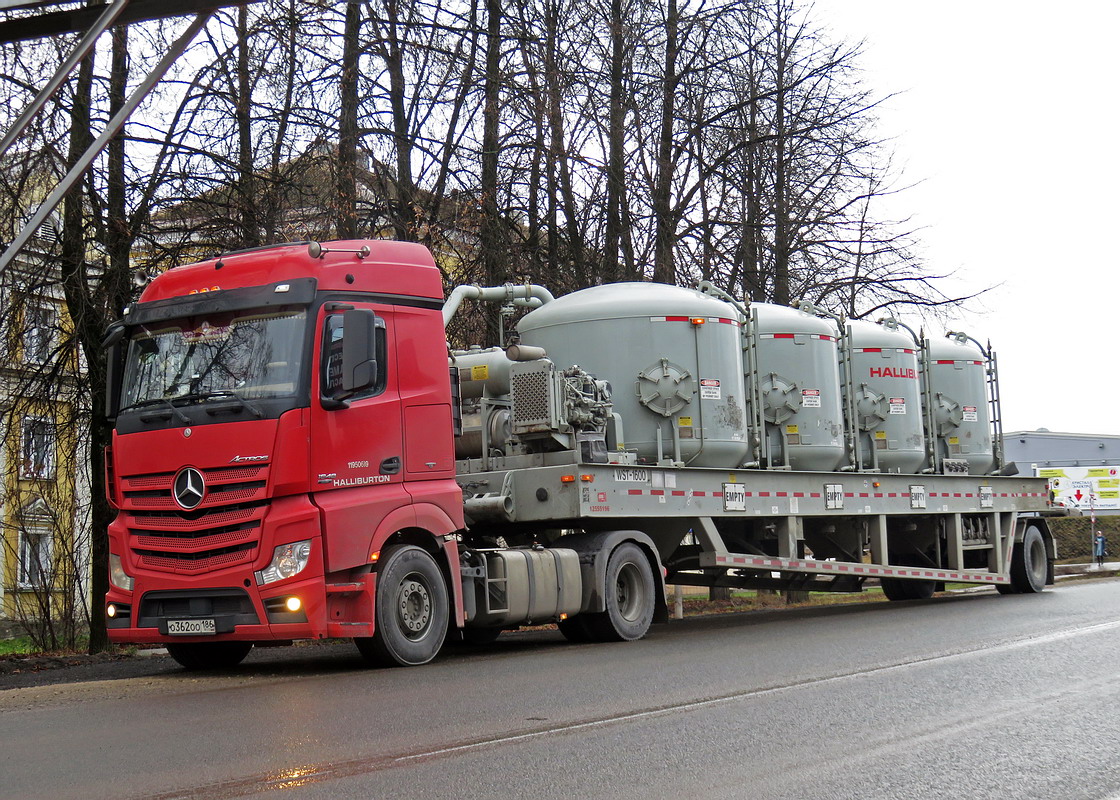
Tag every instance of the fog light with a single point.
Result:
(293, 604)
(111, 611)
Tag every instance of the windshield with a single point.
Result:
(249, 354)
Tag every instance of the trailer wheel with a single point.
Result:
(1029, 563)
(630, 598)
(199, 656)
(902, 589)
(411, 610)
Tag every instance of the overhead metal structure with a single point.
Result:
(36, 19)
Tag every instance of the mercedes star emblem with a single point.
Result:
(190, 488)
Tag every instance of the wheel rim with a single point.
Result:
(629, 592)
(414, 606)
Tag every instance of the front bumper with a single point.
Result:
(238, 612)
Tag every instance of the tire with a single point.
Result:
(897, 589)
(630, 598)
(411, 610)
(202, 656)
(1029, 563)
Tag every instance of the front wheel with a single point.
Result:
(630, 599)
(411, 610)
(1030, 564)
(200, 656)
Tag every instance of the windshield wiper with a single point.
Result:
(199, 396)
(156, 401)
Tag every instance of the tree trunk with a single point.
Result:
(616, 175)
(346, 222)
(491, 238)
(664, 223)
(404, 214)
(246, 179)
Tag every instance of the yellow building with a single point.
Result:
(44, 483)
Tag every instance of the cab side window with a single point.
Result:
(331, 376)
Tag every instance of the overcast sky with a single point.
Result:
(1007, 113)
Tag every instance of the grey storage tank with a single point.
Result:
(792, 368)
(673, 358)
(883, 386)
(956, 385)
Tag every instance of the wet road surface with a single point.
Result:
(966, 696)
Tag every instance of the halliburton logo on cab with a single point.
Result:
(893, 372)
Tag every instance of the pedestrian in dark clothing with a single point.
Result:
(1099, 548)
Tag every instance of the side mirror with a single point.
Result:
(359, 357)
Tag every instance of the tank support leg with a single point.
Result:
(1002, 526)
(954, 541)
(710, 540)
(877, 536)
(790, 532)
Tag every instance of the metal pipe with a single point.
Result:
(960, 336)
(527, 294)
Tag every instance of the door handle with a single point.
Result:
(391, 466)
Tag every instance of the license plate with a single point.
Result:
(191, 627)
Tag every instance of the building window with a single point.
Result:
(38, 340)
(37, 449)
(35, 538)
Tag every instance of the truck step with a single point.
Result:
(348, 630)
(345, 588)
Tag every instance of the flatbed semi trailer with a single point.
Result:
(298, 454)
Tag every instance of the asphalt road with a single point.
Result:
(973, 696)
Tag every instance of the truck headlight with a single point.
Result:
(117, 576)
(287, 560)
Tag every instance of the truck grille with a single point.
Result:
(224, 531)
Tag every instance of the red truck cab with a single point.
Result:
(283, 416)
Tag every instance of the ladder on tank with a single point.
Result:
(994, 409)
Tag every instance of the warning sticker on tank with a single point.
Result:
(811, 398)
(709, 389)
(898, 405)
(480, 372)
(969, 413)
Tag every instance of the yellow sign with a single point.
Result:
(791, 429)
(684, 422)
(1051, 473)
(480, 372)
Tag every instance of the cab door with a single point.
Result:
(356, 441)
